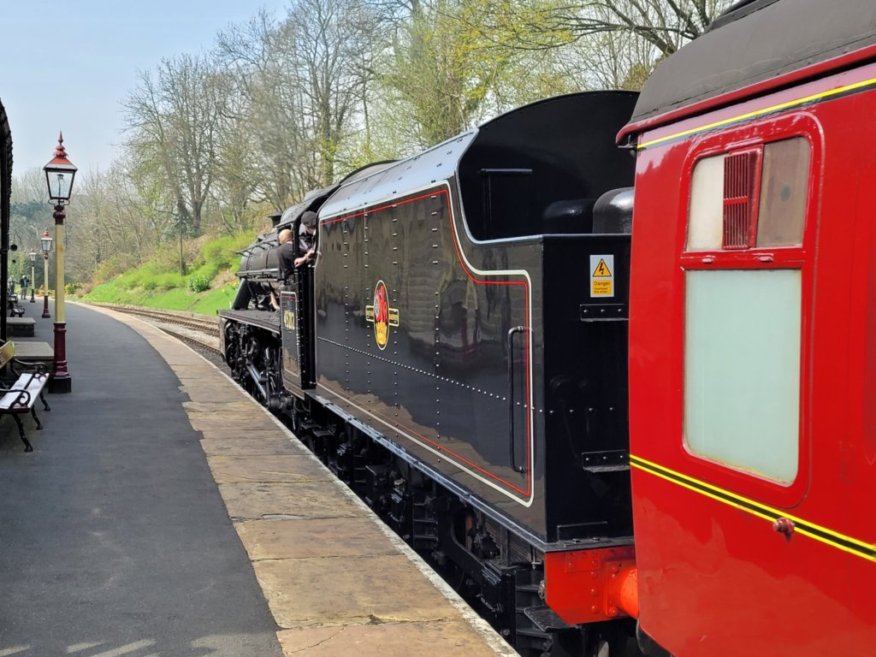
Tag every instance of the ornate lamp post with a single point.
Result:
(60, 173)
(46, 247)
(32, 255)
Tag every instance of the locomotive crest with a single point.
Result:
(381, 315)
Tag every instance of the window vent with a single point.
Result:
(739, 176)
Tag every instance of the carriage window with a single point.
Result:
(706, 220)
(750, 198)
(747, 287)
(784, 192)
(742, 369)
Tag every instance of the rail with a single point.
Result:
(202, 330)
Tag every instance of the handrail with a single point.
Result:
(513, 451)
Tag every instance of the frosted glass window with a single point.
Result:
(742, 369)
(705, 226)
(784, 192)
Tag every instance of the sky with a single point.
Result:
(68, 66)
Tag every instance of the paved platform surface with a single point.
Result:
(164, 513)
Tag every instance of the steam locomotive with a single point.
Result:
(480, 352)
(457, 354)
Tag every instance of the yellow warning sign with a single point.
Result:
(602, 270)
(602, 288)
(602, 276)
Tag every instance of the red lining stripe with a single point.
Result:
(444, 450)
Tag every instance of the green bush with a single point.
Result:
(198, 283)
(71, 288)
(207, 270)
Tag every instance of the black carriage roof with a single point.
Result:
(751, 43)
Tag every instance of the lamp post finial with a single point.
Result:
(60, 151)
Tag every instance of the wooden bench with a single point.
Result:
(27, 383)
(15, 308)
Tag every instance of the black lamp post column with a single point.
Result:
(32, 276)
(46, 247)
(46, 285)
(60, 380)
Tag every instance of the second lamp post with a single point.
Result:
(46, 247)
(32, 276)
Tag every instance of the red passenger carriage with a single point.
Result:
(753, 336)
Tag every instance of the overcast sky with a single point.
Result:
(69, 65)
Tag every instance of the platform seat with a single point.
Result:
(22, 384)
(15, 308)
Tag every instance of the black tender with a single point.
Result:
(753, 42)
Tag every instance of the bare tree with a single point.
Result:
(259, 74)
(261, 57)
(330, 36)
(175, 119)
(598, 43)
(301, 83)
(665, 24)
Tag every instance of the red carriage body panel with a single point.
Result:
(738, 553)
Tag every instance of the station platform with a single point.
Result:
(165, 513)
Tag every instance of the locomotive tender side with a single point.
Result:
(461, 371)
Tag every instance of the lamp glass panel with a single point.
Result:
(60, 184)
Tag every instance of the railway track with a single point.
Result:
(201, 332)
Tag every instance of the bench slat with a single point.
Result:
(31, 383)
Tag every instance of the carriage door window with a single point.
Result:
(743, 267)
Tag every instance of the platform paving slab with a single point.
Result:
(263, 443)
(230, 408)
(268, 469)
(236, 426)
(309, 499)
(209, 393)
(335, 591)
(456, 638)
(310, 539)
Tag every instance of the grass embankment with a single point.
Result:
(209, 284)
